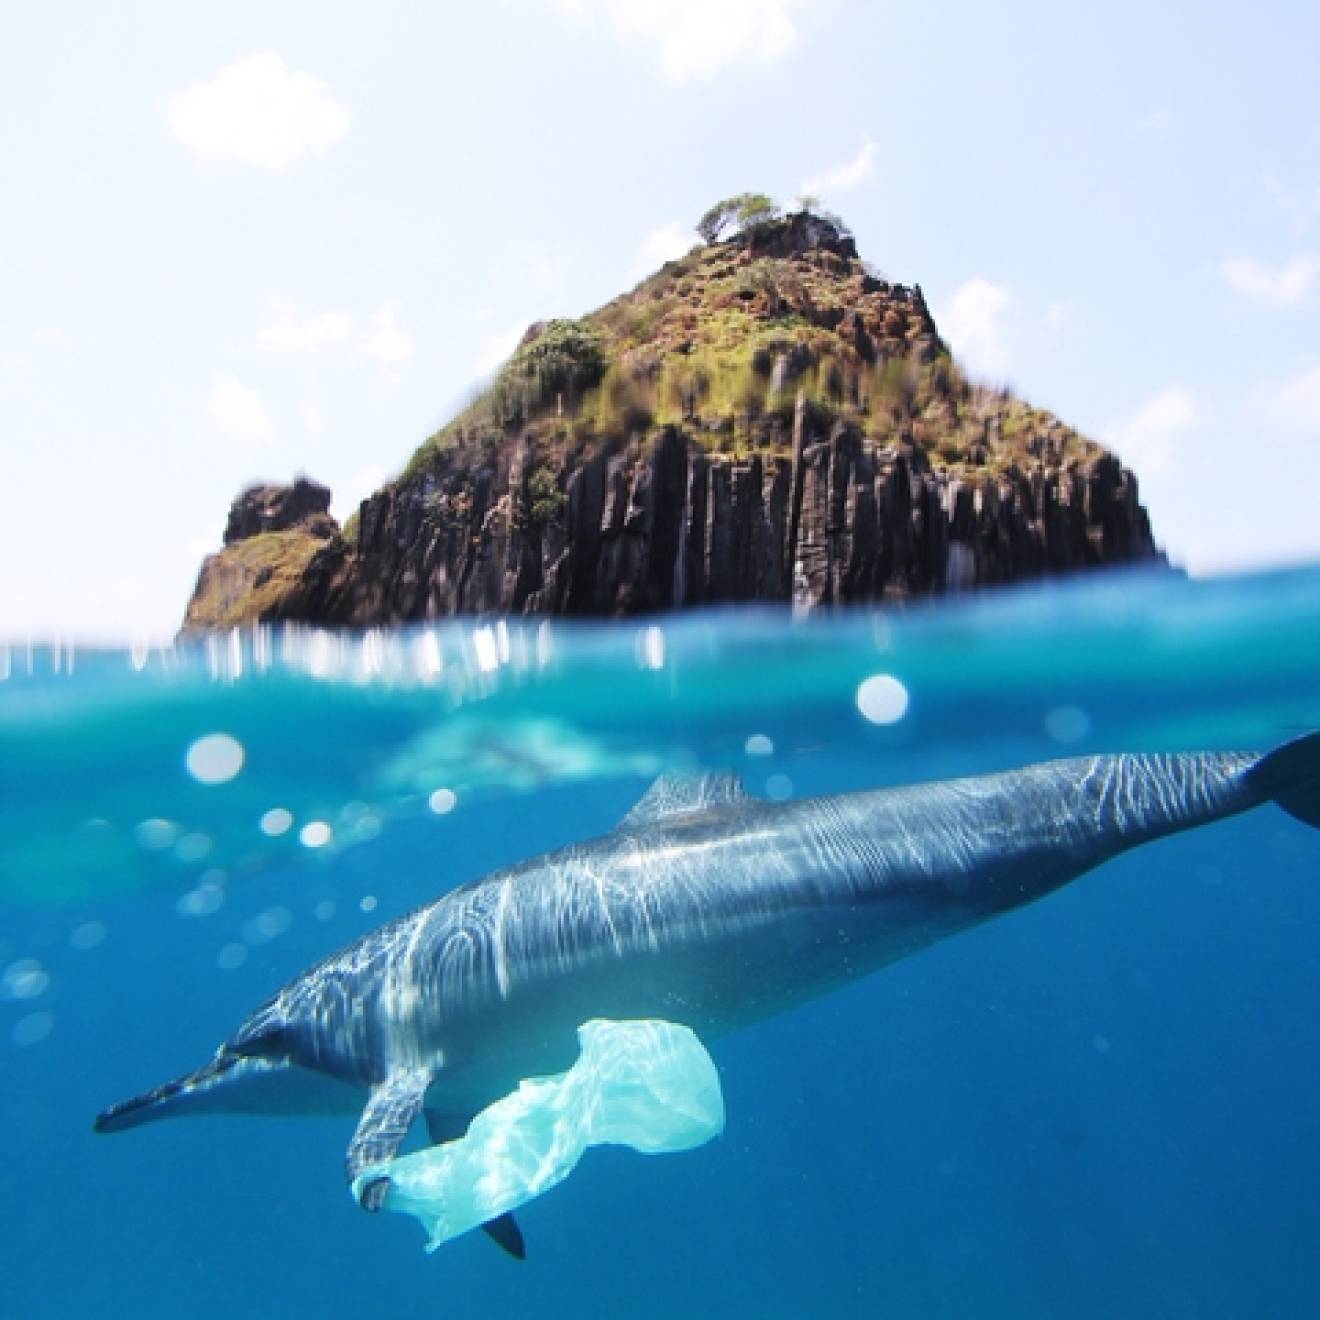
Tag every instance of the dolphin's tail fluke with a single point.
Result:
(1290, 776)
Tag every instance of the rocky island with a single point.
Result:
(767, 419)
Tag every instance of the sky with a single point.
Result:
(244, 241)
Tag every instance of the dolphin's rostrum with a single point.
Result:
(704, 907)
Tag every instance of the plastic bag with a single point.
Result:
(649, 1085)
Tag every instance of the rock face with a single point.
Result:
(765, 420)
(271, 536)
(278, 508)
(839, 522)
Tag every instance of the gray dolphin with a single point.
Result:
(704, 906)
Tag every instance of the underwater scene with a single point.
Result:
(1102, 1103)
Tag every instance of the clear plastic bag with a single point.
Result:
(649, 1085)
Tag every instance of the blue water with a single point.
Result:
(1102, 1105)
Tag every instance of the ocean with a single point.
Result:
(1104, 1104)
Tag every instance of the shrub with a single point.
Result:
(566, 358)
(547, 500)
(628, 404)
(736, 215)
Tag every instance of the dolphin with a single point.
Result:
(704, 906)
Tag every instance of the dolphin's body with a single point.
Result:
(704, 906)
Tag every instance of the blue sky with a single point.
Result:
(247, 240)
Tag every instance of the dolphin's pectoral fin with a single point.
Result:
(385, 1121)
(505, 1233)
(373, 1195)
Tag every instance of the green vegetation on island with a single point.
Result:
(771, 309)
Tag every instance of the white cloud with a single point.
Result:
(1272, 286)
(50, 336)
(17, 361)
(843, 177)
(973, 324)
(381, 338)
(385, 341)
(291, 331)
(257, 111)
(1294, 404)
(697, 38)
(667, 243)
(1147, 440)
(238, 412)
(496, 349)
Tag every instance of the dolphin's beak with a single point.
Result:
(194, 1092)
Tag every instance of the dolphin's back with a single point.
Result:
(971, 846)
(722, 916)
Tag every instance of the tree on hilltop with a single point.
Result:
(736, 215)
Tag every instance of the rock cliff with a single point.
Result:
(766, 420)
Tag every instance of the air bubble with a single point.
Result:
(277, 821)
(315, 834)
(156, 834)
(24, 979)
(32, 1028)
(215, 759)
(268, 925)
(882, 699)
(88, 935)
(1067, 724)
(192, 847)
(202, 901)
(232, 956)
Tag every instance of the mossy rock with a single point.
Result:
(247, 578)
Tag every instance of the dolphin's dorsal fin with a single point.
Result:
(681, 795)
